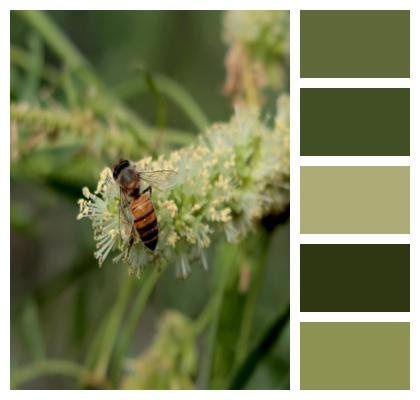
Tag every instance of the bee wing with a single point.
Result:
(160, 179)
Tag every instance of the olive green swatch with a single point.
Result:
(355, 122)
(355, 44)
(360, 200)
(355, 278)
(355, 355)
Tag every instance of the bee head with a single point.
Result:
(118, 167)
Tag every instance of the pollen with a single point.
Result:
(171, 206)
(225, 215)
(196, 207)
(172, 239)
(222, 183)
(86, 192)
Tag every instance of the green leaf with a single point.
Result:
(160, 103)
(223, 265)
(255, 356)
(32, 331)
(34, 72)
(46, 367)
(129, 327)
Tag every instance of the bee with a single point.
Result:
(142, 216)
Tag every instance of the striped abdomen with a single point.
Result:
(145, 220)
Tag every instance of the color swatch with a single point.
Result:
(355, 44)
(355, 355)
(355, 122)
(355, 200)
(358, 277)
(355, 278)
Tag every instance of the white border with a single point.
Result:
(354, 316)
(354, 161)
(294, 199)
(355, 239)
(5, 205)
(294, 6)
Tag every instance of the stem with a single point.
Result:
(122, 346)
(54, 37)
(226, 256)
(21, 58)
(58, 42)
(263, 347)
(184, 100)
(173, 91)
(204, 318)
(94, 348)
(112, 328)
(78, 64)
(34, 71)
(47, 367)
(260, 262)
(251, 91)
(73, 119)
(32, 331)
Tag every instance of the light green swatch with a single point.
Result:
(363, 200)
(355, 355)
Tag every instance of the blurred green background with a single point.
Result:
(60, 298)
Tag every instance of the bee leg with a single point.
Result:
(130, 245)
(131, 242)
(148, 189)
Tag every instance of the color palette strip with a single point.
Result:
(355, 122)
(357, 200)
(355, 278)
(349, 200)
(355, 44)
(355, 355)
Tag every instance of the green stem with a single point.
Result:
(58, 42)
(47, 367)
(112, 327)
(260, 262)
(262, 348)
(130, 324)
(94, 347)
(22, 58)
(55, 38)
(35, 67)
(77, 63)
(204, 318)
(173, 91)
(32, 331)
(226, 256)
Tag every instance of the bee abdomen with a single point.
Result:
(145, 221)
(149, 234)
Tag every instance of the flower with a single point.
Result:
(265, 34)
(236, 173)
(102, 210)
(171, 360)
(258, 53)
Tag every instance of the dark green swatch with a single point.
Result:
(355, 278)
(355, 122)
(355, 355)
(355, 44)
